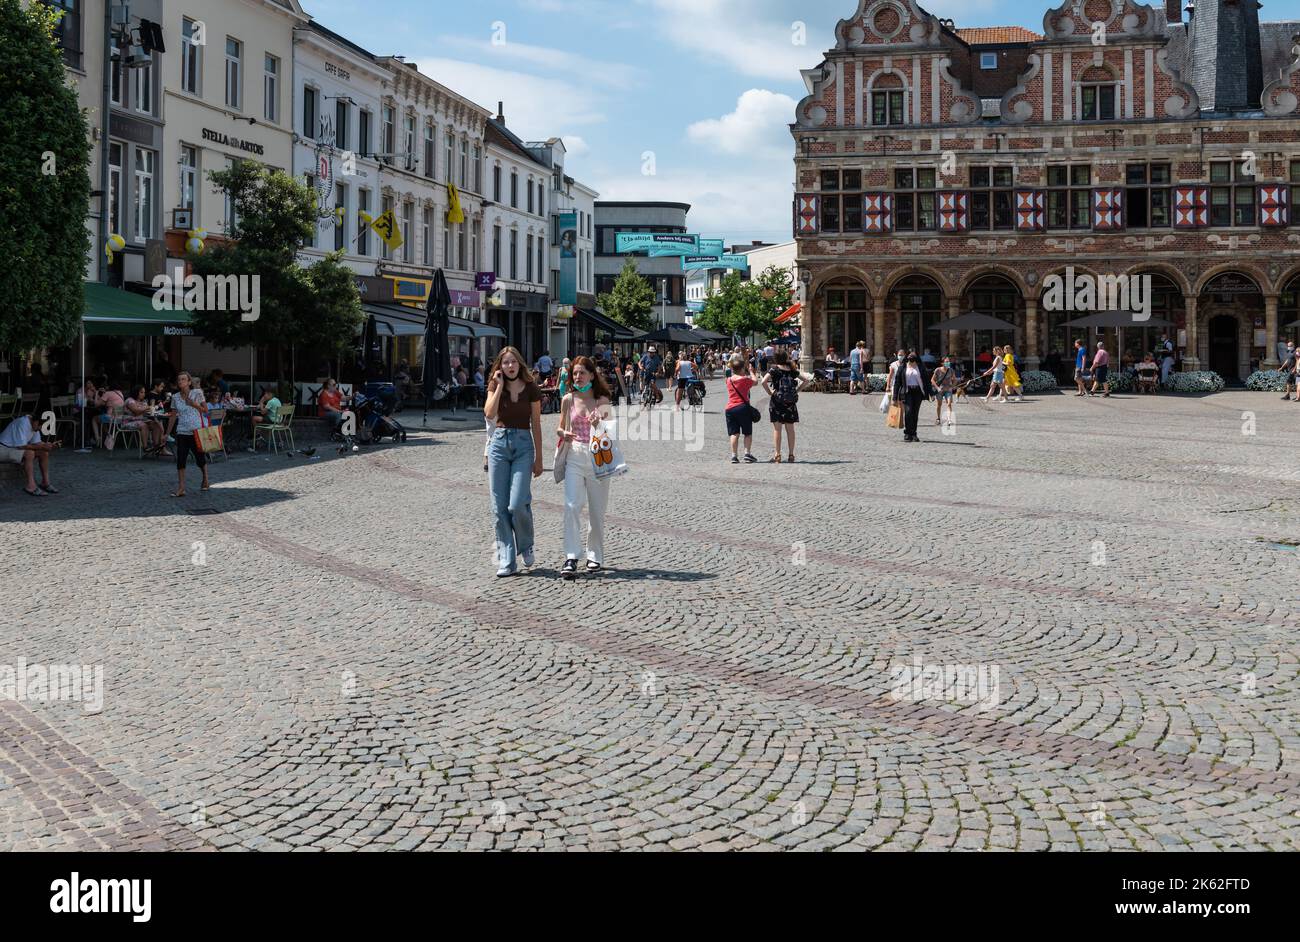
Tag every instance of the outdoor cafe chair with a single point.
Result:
(63, 407)
(8, 406)
(276, 432)
(117, 431)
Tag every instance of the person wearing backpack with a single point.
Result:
(782, 384)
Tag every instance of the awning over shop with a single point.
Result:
(606, 324)
(112, 312)
(395, 320)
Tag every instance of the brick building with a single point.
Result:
(940, 171)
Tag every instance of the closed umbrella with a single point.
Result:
(436, 376)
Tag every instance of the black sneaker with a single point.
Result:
(750, 459)
(570, 570)
(735, 460)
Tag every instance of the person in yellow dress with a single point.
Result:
(1011, 382)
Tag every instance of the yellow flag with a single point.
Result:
(454, 213)
(387, 229)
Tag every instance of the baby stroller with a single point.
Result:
(373, 407)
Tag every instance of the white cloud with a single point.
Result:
(576, 146)
(536, 108)
(759, 127)
(743, 40)
(553, 61)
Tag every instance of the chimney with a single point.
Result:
(1173, 11)
(501, 113)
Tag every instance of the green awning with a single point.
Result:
(111, 312)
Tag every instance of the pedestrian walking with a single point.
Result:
(190, 407)
(858, 368)
(1011, 376)
(782, 383)
(583, 409)
(944, 381)
(1101, 371)
(1289, 371)
(911, 388)
(1080, 367)
(1166, 352)
(515, 405)
(997, 370)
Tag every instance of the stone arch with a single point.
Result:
(981, 271)
(1162, 268)
(1288, 275)
(907, 271)
(824, 276)
(1260, 279)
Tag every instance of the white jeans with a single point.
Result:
(581, 488)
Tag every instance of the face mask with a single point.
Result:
(582, 389)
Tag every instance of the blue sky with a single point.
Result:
(707, 86)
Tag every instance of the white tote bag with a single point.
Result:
(606, 455)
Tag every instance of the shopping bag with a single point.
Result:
(884, 404)
(207, 439)
(606, 455)
(895, 419)
(561, 461)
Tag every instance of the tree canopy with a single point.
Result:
(632, 300)
(744, 308)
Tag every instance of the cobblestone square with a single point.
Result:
(326, 662)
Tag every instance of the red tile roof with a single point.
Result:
(993, 35)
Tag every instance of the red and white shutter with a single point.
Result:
(1191, 207)
(806, 208)
(1274, 205)
(877, 213)
(1031, 214)
(1107, 209)
(954, 211)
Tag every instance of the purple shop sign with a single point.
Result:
(486, 280)
(464, 298)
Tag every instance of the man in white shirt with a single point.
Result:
(20, 443)
(1166, 351)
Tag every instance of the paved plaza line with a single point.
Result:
(67, 787)
(967, 729)
(925, 570)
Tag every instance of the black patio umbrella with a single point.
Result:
(671, 335)
(436, 377)
(973, 322)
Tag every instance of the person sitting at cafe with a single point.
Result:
(402, 380)
(157, 394)
(138, 414)
(110, 397)
(268, 410)
(329, 403)
(1148, 375)
(218, 379)
(20, 444)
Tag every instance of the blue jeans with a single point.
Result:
(510, 477)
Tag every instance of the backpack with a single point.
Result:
(787, 386)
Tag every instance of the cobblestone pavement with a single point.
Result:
(327, 663)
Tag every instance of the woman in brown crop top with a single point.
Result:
(515, 405)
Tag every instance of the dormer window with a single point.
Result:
(988, 60)
(1097, 102)
(887, 108)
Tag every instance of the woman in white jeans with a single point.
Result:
(586, 405)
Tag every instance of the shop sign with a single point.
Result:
(1231, 283)
(463, 298)
(234, 143)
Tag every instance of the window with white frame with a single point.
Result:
(142, 80)
(364, 120)
(271, 88)
(234, 73)
(426, 235)
(387, 205)
(144, 193)
(514, 255)
(310, 112)
(496, 250)
(476, 232)
(541, 262)
(988, 60)
(363, 234)
(1098, 96)
(408, 140)
(191, 59)
(478, 168)
(408, 232)
(528, 249)
(460, 247)
(389, 143)
(464, 163)
(115, 188)
(340, 217)
(529, 183)
(430, 149)
(342, 124)
(888, 107)
(449, 157)
(446, 243)
(189, 177)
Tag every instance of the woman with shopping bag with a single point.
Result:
(911, 387)
(190, 408)
(587, 457)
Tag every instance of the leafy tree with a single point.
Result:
(632, 301)
(315, 308)
(44, 184)
(744, 308)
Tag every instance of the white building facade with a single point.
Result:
(338, 87)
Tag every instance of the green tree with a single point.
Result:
(632, 301)
(44, 184)
(314, 308)
(748, 308)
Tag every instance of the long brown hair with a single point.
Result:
(599, 388)
(524, 372)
